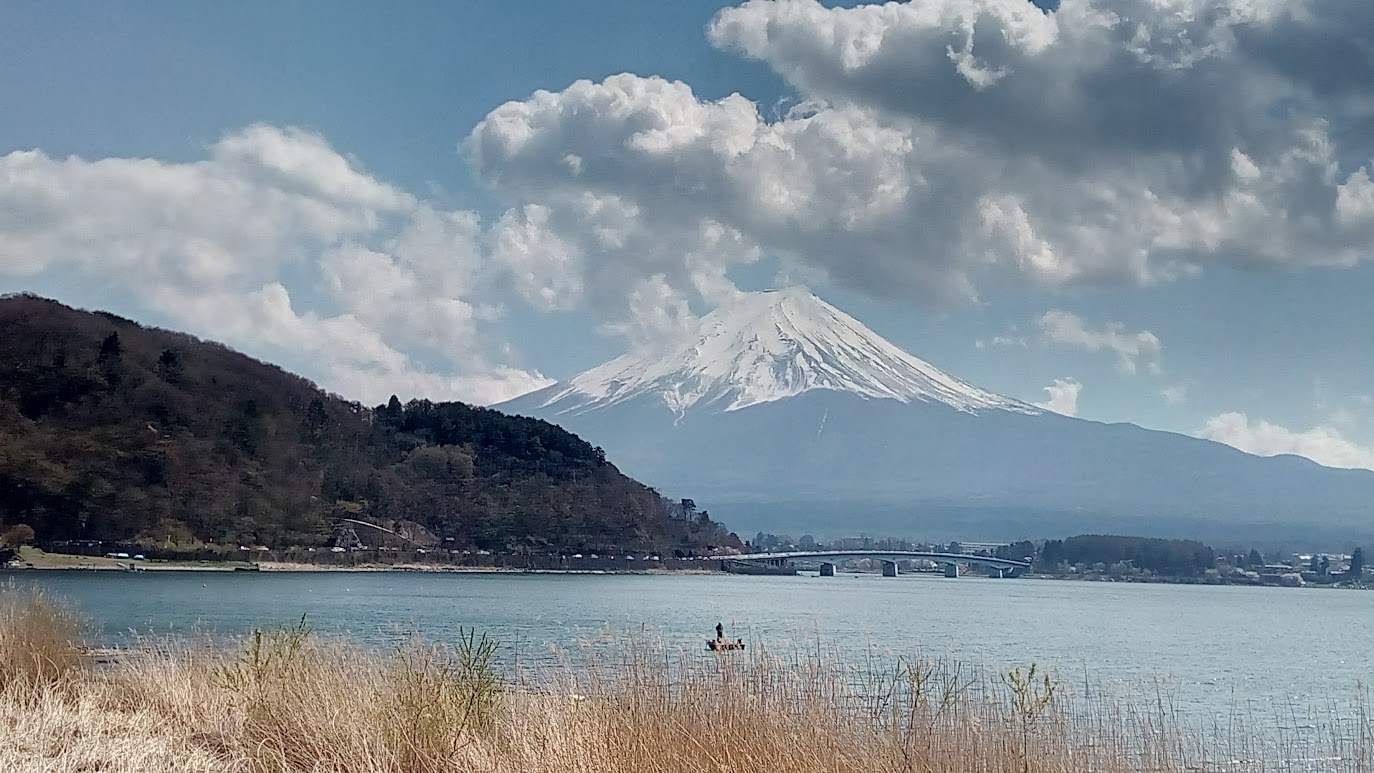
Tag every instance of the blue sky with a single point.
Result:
(1169, 218)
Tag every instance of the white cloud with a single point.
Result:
(943, 149)
(349, 356)
(1322, 444)
(657, 313)
(230, 217)
(940, 151)
(1063, 396)
(1175, 395)
(1131, 349)
(211, 245)
(1011, 341)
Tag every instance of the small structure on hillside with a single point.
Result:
(345, 537)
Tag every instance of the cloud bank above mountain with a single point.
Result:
(948, 149)
(1322, 444)
(1063, 397)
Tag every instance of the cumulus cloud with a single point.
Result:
(211, 243)
(1063, 397)
(1322, 444)
(1010, 341)
(939, 151)
(945, 149)
(249, 206)
(1175, 395)
(1065, 328)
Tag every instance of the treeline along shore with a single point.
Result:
(1086, 557)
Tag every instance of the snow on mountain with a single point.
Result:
(765, 347)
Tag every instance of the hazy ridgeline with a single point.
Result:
(288, 700)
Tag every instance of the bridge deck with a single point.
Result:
(888, 555)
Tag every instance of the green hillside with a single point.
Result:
(114, 431)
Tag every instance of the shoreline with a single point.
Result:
(283, 567)
(286, 567)
(33, 560)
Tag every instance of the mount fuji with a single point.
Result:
(782, 413)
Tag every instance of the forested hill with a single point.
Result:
(113, 431)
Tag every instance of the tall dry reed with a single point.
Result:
(40, 640)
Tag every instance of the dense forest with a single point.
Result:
(1174, 557)
(113, 431)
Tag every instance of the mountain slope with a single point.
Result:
(795, 432)
(109, 430)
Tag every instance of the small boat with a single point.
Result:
(721, 645)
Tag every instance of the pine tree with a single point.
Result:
(111, 352)
(110, 349)
(169, 365)
(394, 413)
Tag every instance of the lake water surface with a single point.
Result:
(1270, 652)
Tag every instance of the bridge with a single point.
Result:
(889, 559)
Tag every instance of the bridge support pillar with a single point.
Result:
(951, 570)
(827, 570)
(889, 568)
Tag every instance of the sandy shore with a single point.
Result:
(35, 559)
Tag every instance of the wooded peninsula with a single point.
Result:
(113, 431)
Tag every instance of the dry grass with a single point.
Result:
(40, 642)
(289, 701)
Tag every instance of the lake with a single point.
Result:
(1271, 653)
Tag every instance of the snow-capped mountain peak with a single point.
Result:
(769, 346)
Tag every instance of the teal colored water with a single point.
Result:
(1269, 652)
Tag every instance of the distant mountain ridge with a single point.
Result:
(793, 417)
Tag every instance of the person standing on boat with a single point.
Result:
(720, 632)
